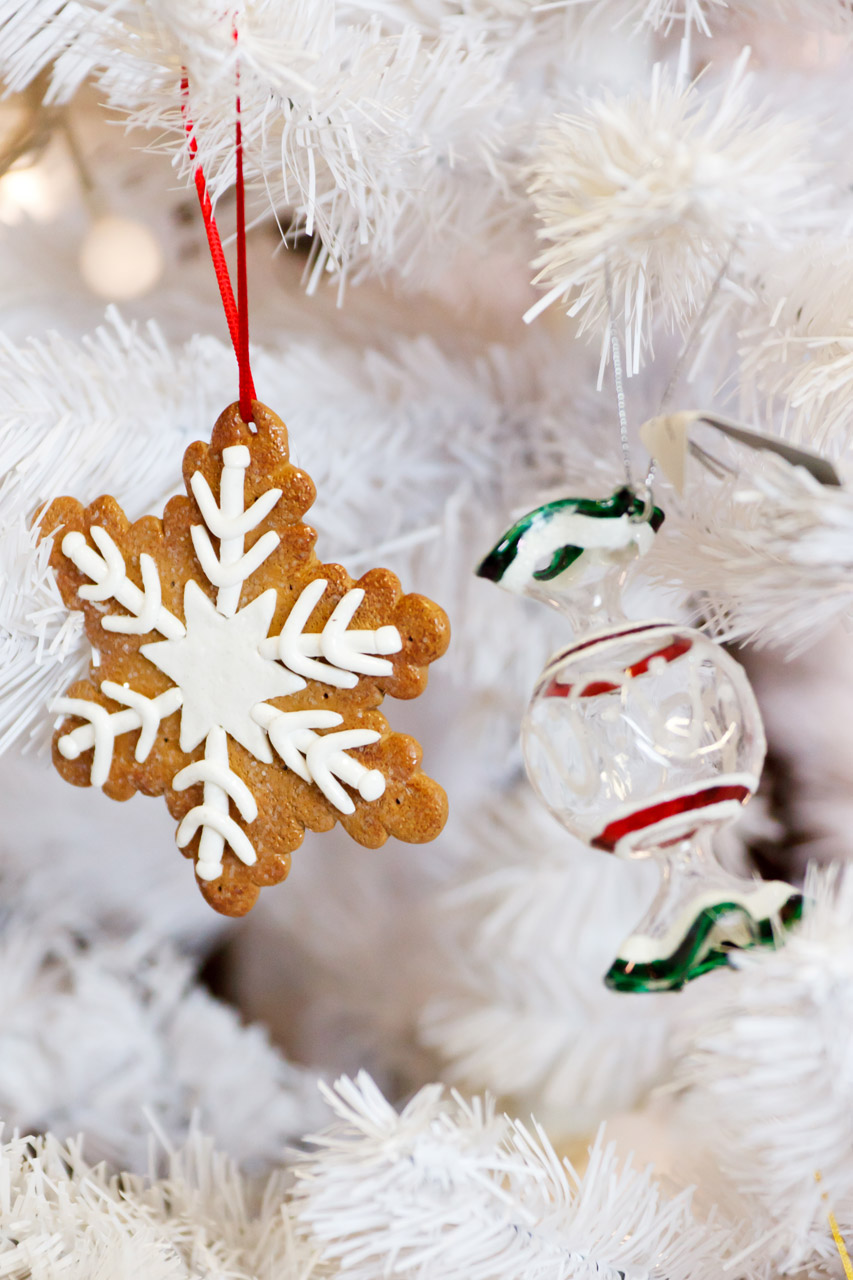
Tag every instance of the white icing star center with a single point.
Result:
(220, 672)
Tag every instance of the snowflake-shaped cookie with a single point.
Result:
(235, 674)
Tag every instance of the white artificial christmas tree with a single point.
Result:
(661, 187)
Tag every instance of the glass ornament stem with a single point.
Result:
(701, 913)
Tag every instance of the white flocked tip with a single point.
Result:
(68, 747)
(372, 785)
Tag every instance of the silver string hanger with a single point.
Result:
(644, 489)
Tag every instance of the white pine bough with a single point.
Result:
(449, 1190)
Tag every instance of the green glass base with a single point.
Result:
(699, 950)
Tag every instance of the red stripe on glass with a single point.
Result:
(642, 818)
(672, 651)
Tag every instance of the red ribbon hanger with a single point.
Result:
(236, 311)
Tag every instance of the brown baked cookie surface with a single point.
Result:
(235, 674)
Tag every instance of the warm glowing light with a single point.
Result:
(29, 193)
(120, 258)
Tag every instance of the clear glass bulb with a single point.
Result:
(642, 738)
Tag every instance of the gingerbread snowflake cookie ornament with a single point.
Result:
(235, 674)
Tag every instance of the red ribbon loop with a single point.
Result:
(236, 312)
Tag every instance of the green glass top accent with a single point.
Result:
(622, 502)
(693, 957)
(562, 558)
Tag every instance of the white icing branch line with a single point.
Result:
(326, 757)
(345, 652)
(218, 828)
(209, 770)
(234, 522)
(225, 575)
(146, 619)
(149, 710)
(109, 580)
(230, 522)
(104, 726)
(290, 732)
(320, 759)
(350, 649)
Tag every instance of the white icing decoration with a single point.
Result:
(230, 522)
(326, 757)
(225, 666)
(150, 711)
(221, 671)
(218, 828)
(347, 654)
(317, 758)
(290, 732)
(104, 726)
(210, 771)
(146, 620)
(108, 574)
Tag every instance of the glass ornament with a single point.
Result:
(642, 738)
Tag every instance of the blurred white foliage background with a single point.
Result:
(422, 175)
